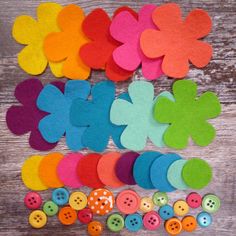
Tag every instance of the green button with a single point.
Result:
(115, 222)
(50, 208)
(160, 198)
(210, 203)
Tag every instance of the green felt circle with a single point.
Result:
(210, 203)
(50, 208)
(115, 222)
(197, 173)
(160, 198)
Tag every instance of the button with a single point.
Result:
(67, 215)
(151, 220)
(166, 212)
(50, 208)
(189, 223)
(115, 222)
(173, 226)
(95, 228)
(134, 222)
(160, 198)
(85, 216)
(204, 219)
(78, 200)
(128, 202)
(194, 200)
(101, 201)
(210, 203)
(60, 196)
(33, 200)
(181, 208)
(146, 204)
(37, 219)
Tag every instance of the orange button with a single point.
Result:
(189, 223)
(173, 226)
(67, 216)
(95, 228)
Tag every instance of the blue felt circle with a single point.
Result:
(60, 196)
(141, 169)
(133, 222)
(204, 219)
(158, 172)
(166, 212)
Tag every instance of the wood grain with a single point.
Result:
(219, 76)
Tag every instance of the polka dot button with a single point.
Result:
(181, 208)
(210, 203)
(133, 222)
(101, 201)
(128, 202)
(166, 212)
(78, 200)
(194, 200)
(60, 196)
(115, 222)
(189, 223)
(37, 219)
(146, 204)
(50, 208)
(151, 220)
(160, 198)
(85, 216)
(173, 226)
(204, 219)
(67, 215)
(33, 200)
(95, 228)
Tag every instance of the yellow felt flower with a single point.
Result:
(31, 33)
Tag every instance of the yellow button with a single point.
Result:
(78, 200)
(37, 219)
(181, 208)
(146, 204)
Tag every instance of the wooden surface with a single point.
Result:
(219, 76)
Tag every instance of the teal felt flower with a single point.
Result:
(187, 115)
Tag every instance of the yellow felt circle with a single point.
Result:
(78, 200)
(37, 219)
(146, 204)
(181, 208)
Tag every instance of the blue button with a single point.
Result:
(166, 212)
(204, 219)
(133, 222)
(60, 196)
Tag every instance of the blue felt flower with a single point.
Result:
(57, 123)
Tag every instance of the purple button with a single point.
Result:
(151, 220)
(194, 200)
(33, 200)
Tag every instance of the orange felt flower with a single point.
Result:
(177, 39)
(65, 45)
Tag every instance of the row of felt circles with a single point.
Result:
(150, 170)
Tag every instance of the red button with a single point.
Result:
(33, 200)
(151, 220)
(85, 216)
(194, 200)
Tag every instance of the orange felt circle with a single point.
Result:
(106, 169)
(189, 223)
(67, 215)
(48, 170)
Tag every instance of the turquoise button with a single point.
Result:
(166, 212)
(60, 196)
(133, 222)
(204, 219)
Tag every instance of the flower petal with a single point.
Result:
(116, 134)
(56, 68)
(156, 133)
(151, 68)
(74, 137)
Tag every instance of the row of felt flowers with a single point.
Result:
(60, 109)
(156, 39)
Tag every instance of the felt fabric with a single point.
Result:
(57, 123)
(158, 172)
(137, 115)
(187, 115)
(64, 46)
(24, 118)
(141, 169)
(95, 114)
(67, 170)
(127, 30)
(177, 39)
(30, 32)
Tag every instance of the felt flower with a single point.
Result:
(95, 114)
(31, 32)
(177, 39)
(97, 54)
(137, 116)
(57, 123)
(24, 118)
(187, 115)
(65, 45)
(127, 30)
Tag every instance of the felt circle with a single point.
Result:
(87, 171)
(106, 169)
(67, 170)
(158, 172)
(141, 169)
(48, 170)
(29, 174)
(174, 174)
(124, 167)
(197, 173)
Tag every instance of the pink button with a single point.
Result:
(194, 200)
(33, 200)
(85, 216)
(128, 202)
(151, 220)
